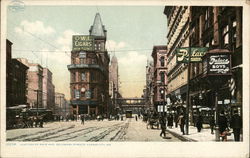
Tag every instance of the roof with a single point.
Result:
(98, 29)
(114, 59)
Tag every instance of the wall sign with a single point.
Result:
(218, 64)
(197, 53)
(82, 42)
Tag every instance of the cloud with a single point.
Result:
(113, 45)
(132, 74)
(66, 39)
(36, 28)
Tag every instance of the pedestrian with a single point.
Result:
(176, 120)
(36, 121)
(163, 126)
(212, 124)
(236, 124)
(181, 122)
(170, 121)
(199, 123)
(222, 122)
(41, 120)
(136, 118)
(82, 119)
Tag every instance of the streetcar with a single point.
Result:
(128, 113)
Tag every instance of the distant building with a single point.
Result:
(60, 104)
(113, 84)
(89, 71)
(159, 55)
(35, 84)
(48, 90)
(149, 89)
(16, 73)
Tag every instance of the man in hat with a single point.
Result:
(236, 124)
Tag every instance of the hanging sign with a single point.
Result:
(82, 43)
(182, 55)
(219, 64)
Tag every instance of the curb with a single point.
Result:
(181, 137)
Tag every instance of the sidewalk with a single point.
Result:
(203, 136)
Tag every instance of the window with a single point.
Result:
(162, 76)
(82, 55)
(73, 77)
(162, 61)
(92, 76)
(83, 76)
(162, 93)
(76, 93)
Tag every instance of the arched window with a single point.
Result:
(162, 77)
(162, 60)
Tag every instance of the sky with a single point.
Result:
(43, 34)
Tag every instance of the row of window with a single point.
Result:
(82, 76)
(83, 93)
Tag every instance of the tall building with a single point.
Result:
(159, 55)
(60, 104)
(149, 89)
(89, 71)
(220, 30)
(113, 84)
(35, 84)
(48, 90)
(16, 73)
(177, 36)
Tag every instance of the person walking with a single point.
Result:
(222, 122)
(163, 126)
(212, 124)
(176, 120)
(199, 123)
(82, 119)
(136, 118)
(181, 122)
(170, 121)
(236, 125)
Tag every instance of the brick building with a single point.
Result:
(48, 90)
(35, 84)
(159, 55)
(89, 71)
(217, 28)
(16, 73)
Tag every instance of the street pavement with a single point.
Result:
(203, 136)
(92, 131)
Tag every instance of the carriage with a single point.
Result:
(153, 121)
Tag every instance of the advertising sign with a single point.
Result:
(219, 64)
(82, 43)
(182, 54)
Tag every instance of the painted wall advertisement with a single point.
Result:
(219, 64)
(82, 43)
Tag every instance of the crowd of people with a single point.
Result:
(225, 126)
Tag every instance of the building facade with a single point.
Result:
(48, 90)
(159, 55)
(16, 74)
(60, 104)
(35, 84)
(89, 71)
(177, 36)
(113, 85)
(149, 89)
(218, 29)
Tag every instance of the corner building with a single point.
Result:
(89, 74)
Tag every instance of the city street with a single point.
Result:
(127, 130)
